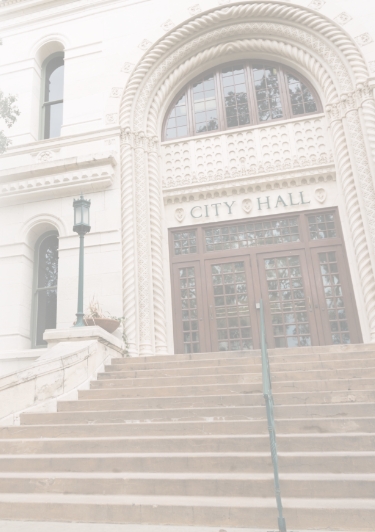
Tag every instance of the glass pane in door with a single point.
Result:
(332, 286)
(232, 313)
(287, 300)
(188, 293)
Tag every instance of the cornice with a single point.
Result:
(56, 178)
(47, 165)
(54, 186)
(260, 182)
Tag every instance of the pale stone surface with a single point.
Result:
(184, 439)
(11, 361)
(29, 526)
(73, 357)
(56, 336)
(39, 178)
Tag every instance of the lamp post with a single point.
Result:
(81, 226)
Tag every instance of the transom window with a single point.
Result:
(237, 95)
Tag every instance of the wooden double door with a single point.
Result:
(296, 264)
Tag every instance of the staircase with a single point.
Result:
(183, 440)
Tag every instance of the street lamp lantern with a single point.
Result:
(81, 226)
(81, 215)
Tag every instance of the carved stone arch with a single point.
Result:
(279, 29)
(34, 227)
(271, 48)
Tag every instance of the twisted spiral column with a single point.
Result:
(368, 109)
(363, 168)
(143, 247)
(361, 245)
(159, 302)
(128, 243)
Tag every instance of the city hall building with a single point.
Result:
(228, 151)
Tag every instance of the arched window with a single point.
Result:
(53, 96)
(237, 95)
(45, 286)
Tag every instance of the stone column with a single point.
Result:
(159, 303)
(346, 160)
(129, 276)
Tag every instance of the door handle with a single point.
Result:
(310, 305)
(211, 313)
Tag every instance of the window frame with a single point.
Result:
(248, 65)
(43, 103)
(36, 289)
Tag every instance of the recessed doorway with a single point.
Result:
(296, 263)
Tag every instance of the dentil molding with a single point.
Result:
(51, 178)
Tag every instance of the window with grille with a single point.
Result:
(53, 96)
(237, 95)
(184, 242)
(260, 233)
(322, 226)
(45, 287)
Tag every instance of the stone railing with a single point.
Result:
(74, 356)
(256, 150)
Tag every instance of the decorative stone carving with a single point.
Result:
(316, 4)
(173, 58)
(251, 184)
(110, 142)
(168, 25)
(127, 67)
(320, 195)
(371, 66)
(349, 101)
(116, 92)
(44, 156)
(364, 39)
(247, 205)
(258, 44)
(267, 149)
(194, 10)
(111, 118)
(45, 186)
(145, 44)
(343, 18)
(179, 214)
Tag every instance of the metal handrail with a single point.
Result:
(268, 397)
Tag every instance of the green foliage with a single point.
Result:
(8, 113)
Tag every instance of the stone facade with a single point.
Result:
(125, 62)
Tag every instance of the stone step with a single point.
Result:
(343, 442)
(280, 352)
(191, 428)
(244, 377)
(229, 462)
(119, 372)
(305, 485)
(349, 410)
(347, 514)
(222, 401)
(249, 357)
(226, 389)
